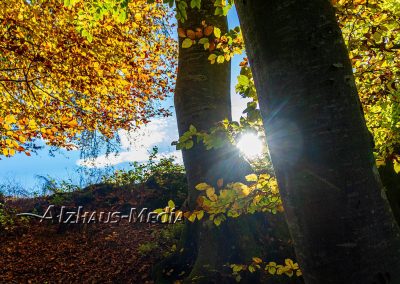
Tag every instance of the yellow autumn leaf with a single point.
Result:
(73, 123)
(210, 191)
(220, 59)
(187, 42)
(10, 119)
(252, 177)
(192, 217)
(77, 77)
(171, 204)
(213, 197)
(396, 166)
(200, 214)
(246, 190)
(202, 186)
(212, 58)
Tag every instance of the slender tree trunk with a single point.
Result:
(338, 215)
(202, 98)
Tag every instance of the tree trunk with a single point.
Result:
(391, 182)
(338, 215)
(202, 98)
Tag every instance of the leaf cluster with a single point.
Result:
(56, 83)
(261, 194)
(288, 268)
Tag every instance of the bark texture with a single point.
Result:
(338, 215)
(202, 98)
(391, 182)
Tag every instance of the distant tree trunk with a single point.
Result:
(337, 212)
(202, 98)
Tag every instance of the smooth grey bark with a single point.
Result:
(202, 99)
(338, 215)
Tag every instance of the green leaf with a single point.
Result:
(200, 215)
(192, 129)
(85, 33)
(271, 270)
(158, 211)
(171, 204)
(204, 40)
(122, 16)
(377, 36)
(236, 268)
(396, 167)
(195, 4)
(181, 9)
(189, 144)
(219, 11)
(187, 43)
(225, 10)
(243, 80)
(217, 221)
(90, 38)
(217, 32)
(192, 217)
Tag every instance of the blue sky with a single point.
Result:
(23, 170)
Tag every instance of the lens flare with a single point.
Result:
(250, 145)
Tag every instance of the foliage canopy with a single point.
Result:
(56, 82)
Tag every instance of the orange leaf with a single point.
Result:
(208, 30)
(181, 32)
(191, 34)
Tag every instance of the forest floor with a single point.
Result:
(44, 252)
(107, 254)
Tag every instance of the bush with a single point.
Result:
(142, 172)
(9, 221)
(165, 241)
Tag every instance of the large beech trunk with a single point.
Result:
(338, 215)
(202, 98)
(391, 182)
